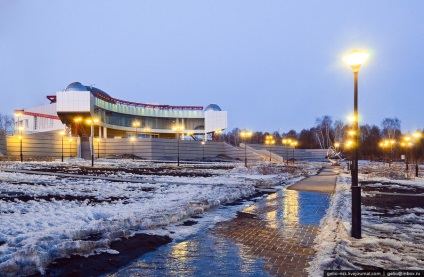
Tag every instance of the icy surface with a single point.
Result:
(393, 241)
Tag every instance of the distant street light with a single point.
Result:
(18, 114)
(132, 139)
(70, 147)
(286, 142)
(417, 137)
(244, 135)
(136, 124)
(203, 146)
(269, 140)
(20, 142)
(178, 129)
(355, 59)
(98, 148)
(91, 122)
(62, 133)
(293, 144)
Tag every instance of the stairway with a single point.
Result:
(85, 149)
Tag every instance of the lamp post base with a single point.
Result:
(356, 212)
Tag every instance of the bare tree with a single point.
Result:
(323, 131)
(339, 130)
(7, 123)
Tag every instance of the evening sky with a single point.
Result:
(272, 64)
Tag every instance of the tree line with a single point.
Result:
(327, 132)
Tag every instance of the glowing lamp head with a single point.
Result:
(62, 133)
(21, 128)
(355, 59)
(203, 142)
(336, 144)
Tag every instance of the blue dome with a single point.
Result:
(213, 107)
(75, 86)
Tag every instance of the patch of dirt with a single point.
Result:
(129, 249)
(103, 171)
(49, 198)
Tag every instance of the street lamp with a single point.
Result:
(91, 122)
(384, 145)
(77, 121)
(18, 115)
(98, 148)
(269, 140)
(136, 124)
(20, 142)
(355, 59)
(417, 137)
(178, 129)
(62, 133)
(244, 135)
(286, 142)
(293, 144)
(70, 147)
(132, 146)
(203, 146)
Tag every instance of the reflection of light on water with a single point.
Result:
(247, 260)
(180, 253)
(272, 219)
(291, 207)
(250, 209)
(271, 196)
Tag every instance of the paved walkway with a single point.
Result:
(273, 237)
(324, 182)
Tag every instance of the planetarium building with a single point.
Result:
(77, 108)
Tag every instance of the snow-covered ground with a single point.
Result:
(43, 218)
(392, 224)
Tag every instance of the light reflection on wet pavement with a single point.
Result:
(272, 237)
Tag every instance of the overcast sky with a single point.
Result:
(272, 64)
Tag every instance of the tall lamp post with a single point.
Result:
(203, 146)
(269, 140)
(355, 59)
(18, 114)
(293, 144)
(132, 146)
(91, 122)
(244, 135)
(98, 148)
(62, 133)
(417, 137)
(287, 142)
(178, 129)
(136, 124)
(20, 142)
(70, 147)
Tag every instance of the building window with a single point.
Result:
(35, 122)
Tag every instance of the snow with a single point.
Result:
(43, 218)
(392, 242)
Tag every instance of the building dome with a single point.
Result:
(213, 107)
(75, 86)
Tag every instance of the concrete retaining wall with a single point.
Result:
(158, 149)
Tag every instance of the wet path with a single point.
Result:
(272, 237)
